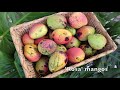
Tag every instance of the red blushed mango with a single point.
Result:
(39, 39)
(61, 36)
(75, 55)
(26, 39)
(38, 31)
(84, 32)
(31, 52)
(77, 20)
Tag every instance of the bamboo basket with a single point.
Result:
(28, 68)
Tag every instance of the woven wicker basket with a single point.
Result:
(19, 30)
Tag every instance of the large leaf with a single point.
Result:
(112, 72)
(10, 64)
(108, 20)
(18, 65)
(111, 61)
(7, 67)
(115, 30)
(6, 20)
(7, 45)
(29, 16)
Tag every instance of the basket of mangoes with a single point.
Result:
(66, 39)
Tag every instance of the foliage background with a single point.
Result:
(9, 61)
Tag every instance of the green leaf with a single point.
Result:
(86, 74)
(6, 20)
(115, 30)
(18, 65)
(117, 76)
(109, 61)
(112, 72)
(96, 75)
(29, 16)
(112, 15)
(102, 20)
(74, 74)
(7, 68)
(4, 24)
(7, 45)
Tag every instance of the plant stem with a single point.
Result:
(17, 69)
(0, 39)
(4, 33)
(20, 20)
(114, 57)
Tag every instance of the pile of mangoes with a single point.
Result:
(61, 41)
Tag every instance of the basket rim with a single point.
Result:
(78, 64)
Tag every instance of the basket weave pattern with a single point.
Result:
(19, 30)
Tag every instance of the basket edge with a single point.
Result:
(79, 64)
(26, 74)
